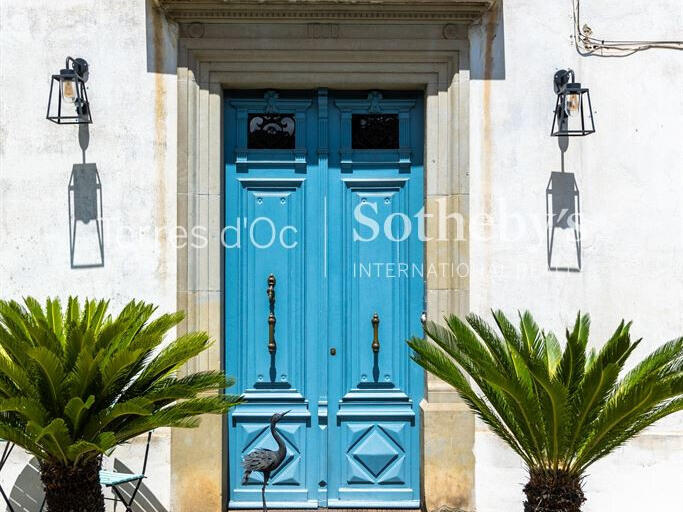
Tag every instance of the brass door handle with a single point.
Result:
(272, 345)
(375, 339)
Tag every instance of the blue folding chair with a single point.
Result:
(114, 479)
(5, 455)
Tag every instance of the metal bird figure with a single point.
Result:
(266, 461)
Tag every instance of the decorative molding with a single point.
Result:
(451, 31)
(195, 30)
(323, 30)
(425, 11)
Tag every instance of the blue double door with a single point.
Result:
(323, 285)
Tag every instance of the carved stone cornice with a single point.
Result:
(425, 11)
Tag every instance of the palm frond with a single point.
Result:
(49, 372)
(76, 411)
(573, 362)
(553, 352)
(495, 345)
(170, 359)
(30, 409)
(666, 359)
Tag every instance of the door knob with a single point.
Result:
(333, 351)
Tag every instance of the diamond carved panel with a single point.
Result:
(258, 437)
(375, 455)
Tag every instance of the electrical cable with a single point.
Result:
(586, 44)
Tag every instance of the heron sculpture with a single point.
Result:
(266, 461)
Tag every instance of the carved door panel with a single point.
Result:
(272, 208)
(376, 189)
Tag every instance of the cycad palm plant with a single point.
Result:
(559, 410)
(75, 382)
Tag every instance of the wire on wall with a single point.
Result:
(587, 44)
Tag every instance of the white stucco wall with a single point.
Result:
(132, 141)
(132, 90)
(629, 174)
(630, 178)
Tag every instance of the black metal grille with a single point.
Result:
(374, 131)
(271, 131)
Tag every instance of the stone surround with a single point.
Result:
(216, 56)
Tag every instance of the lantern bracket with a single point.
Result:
(562, 79)
(79, 66)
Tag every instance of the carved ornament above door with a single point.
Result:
(424, 11)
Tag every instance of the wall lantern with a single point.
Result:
(71, 100)
(573, 111)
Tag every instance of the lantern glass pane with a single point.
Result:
(68, 89)
(573, 116)
(573, 103)
(67, 105)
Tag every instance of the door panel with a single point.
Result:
(300, 168)
(268, 203)
(271, 192)
(375, 188)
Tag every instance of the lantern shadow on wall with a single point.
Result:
(85, 207)
(563, 212)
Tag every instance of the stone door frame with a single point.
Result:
(218, 56)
